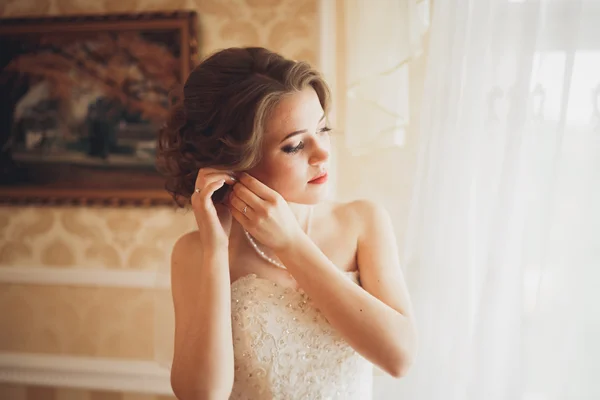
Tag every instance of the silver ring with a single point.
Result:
(245, 209)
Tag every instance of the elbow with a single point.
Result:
(400, 365)
(193, 394)
(403, 359)
(185, 390)
(182, 390)
(399, 369)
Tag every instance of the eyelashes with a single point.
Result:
(300, 146)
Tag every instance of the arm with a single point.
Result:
(203, 354)
(376, 319)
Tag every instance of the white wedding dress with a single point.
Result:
(285, 349)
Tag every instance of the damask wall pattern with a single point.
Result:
(116, 322)
(82, 237)
(288, 26)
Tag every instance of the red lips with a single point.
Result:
(321, 178)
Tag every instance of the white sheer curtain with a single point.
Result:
(503, 249)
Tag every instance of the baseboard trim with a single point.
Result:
(85, 372)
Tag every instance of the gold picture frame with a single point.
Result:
(85, 96)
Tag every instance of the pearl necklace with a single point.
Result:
(263, 255)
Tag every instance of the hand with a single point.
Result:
(214, 220)
(268, 217)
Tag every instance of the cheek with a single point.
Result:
(283, 176)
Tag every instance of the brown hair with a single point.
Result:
(220, 120)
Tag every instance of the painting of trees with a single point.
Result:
(94, 93)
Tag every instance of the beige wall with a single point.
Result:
(117, 322)
(387, 175)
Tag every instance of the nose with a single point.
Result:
(320, 154)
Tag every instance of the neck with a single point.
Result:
(301, 212)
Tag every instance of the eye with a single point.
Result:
(295, 149)
(300, 146)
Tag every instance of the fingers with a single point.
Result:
(204, 196)
(257, 187)
(238, 204)
(209, 175)
(245, 195)
(206, 185)
(239, 215)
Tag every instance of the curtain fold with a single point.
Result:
(503, 244)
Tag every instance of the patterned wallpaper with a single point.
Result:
(84, 237)
(117, 322)
(287, 26)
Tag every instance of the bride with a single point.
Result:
(279, 294)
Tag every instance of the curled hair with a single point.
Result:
(219, 120)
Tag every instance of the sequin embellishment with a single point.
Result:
(284, 348)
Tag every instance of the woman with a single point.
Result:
(279, 294)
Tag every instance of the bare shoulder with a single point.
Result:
(360, 206)
(187, 247)
(340, 214)
(360, 214)
(365, 206)
(188, 240)
(187, 244)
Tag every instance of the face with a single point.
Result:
(296, 149)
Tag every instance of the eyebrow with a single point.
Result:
(289, 135)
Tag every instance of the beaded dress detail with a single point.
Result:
(285, 349)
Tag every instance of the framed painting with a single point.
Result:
(83, 100)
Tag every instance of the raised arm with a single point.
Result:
(203, 354)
